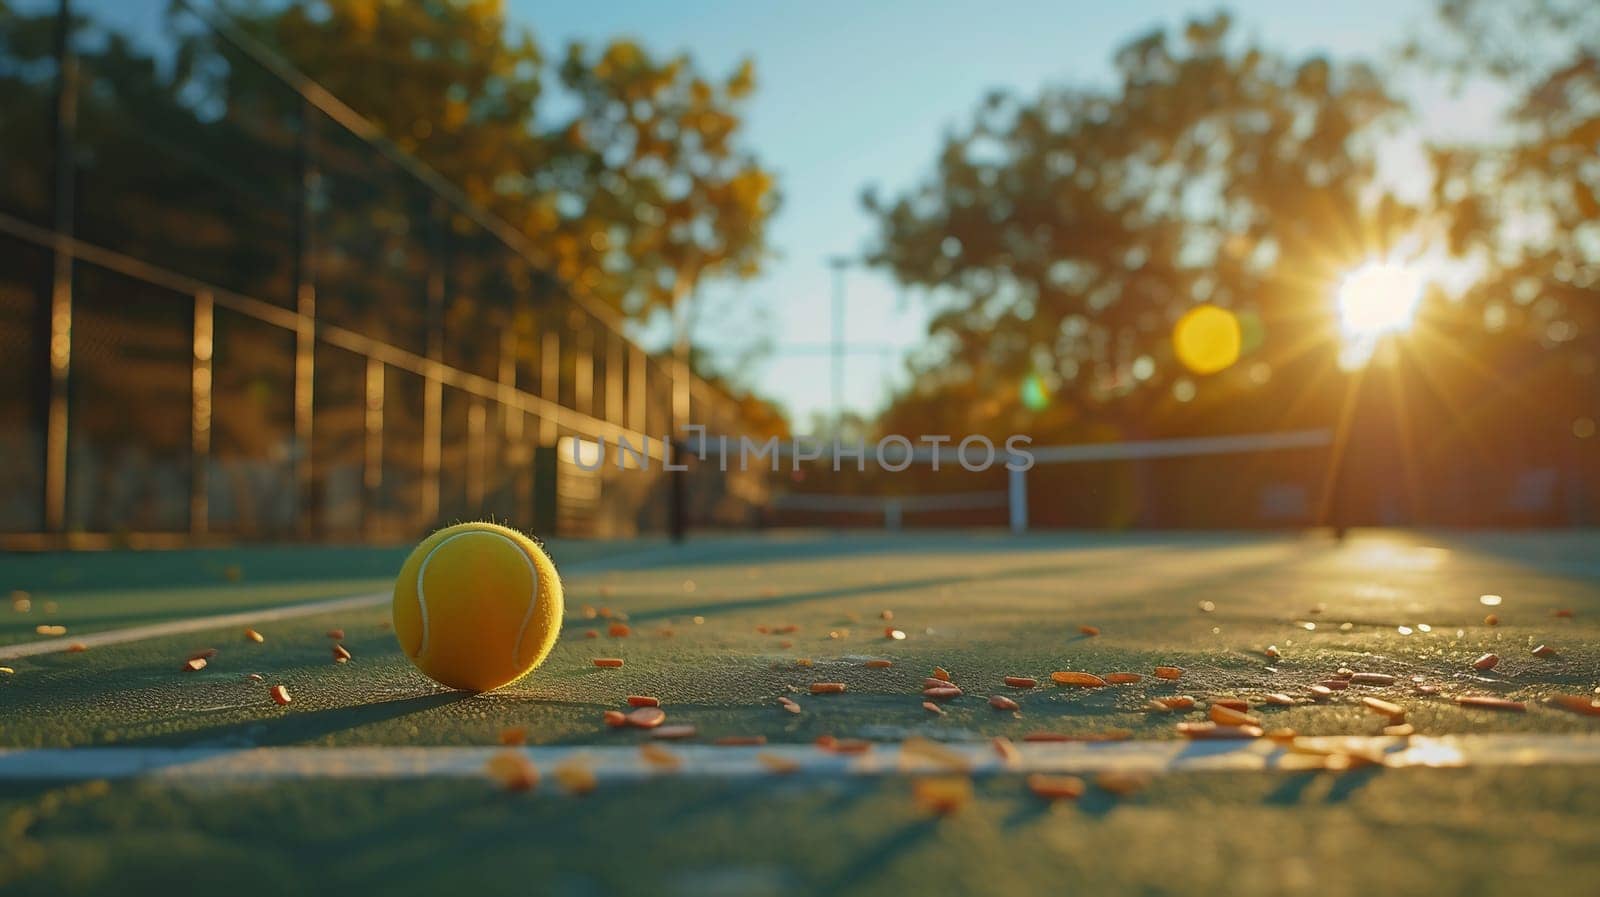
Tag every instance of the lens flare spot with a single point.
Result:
(1035, 393)
(1207, 339)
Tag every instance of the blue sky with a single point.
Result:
(858, 94)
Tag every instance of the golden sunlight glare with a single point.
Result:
(1373, 301)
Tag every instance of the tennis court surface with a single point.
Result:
(122, 772)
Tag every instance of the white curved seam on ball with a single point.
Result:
(533, 602)
(422, 599)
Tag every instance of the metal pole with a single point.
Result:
(1017, 498)
(638, 388)
(836, 347)
(549, 383)
(200, 417)
(615, 412)
(305, 345)
(372, 458)
(433, 397)
(59, 349)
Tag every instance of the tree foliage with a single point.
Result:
(1526, 207)
(624, 168)
(1065, 233)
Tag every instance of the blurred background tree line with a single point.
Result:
(1063, 236)
(1060, 236)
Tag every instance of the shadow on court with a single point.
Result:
(298, 728)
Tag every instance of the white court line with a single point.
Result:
(618, 763)
(284, 612)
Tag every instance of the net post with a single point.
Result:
(678, 492)
(1017, 499)
(546, 472)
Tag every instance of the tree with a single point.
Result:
(631, 185)
(1527, 207)
(1064, 234)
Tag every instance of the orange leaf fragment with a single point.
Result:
(1577, 704)
(576, 776)
(513, 771)
(1227, 716)
(942, 794)
(1055, 787)
(1082, 680)
(647, 717)
(1393, 711)
(1202, 731)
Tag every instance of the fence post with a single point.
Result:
(305, 341)
(372, 454)
(58, 350)
(200, 416)
(546, 510)
(1017, 498)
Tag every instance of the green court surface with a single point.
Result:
(724, 627)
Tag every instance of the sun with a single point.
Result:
(1373, 301)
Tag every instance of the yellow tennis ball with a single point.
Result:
(477, 606)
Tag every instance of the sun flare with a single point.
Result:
(1373, 301)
